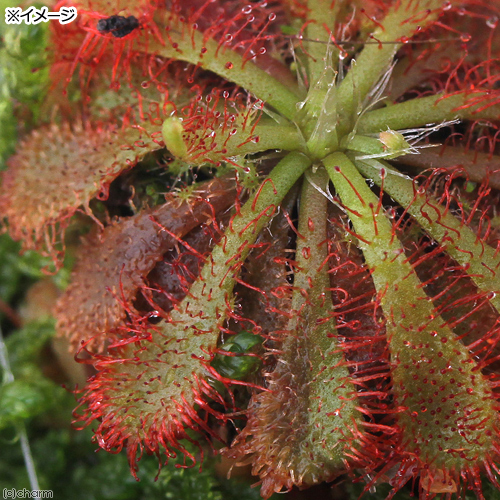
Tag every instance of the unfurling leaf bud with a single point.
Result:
(394, 143)
(172, 130)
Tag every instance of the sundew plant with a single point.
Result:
(284, 216)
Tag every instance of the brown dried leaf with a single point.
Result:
(113, 265)
(168, 283)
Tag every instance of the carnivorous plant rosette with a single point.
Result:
(293, 232)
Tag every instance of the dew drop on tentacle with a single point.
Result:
(492, 22)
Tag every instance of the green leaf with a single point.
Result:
(238, 367)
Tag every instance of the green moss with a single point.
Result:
(23, 77)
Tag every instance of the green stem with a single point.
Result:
(478, 259)
(402, 21)
(193, 47)
(7, 378)
(426, 110)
